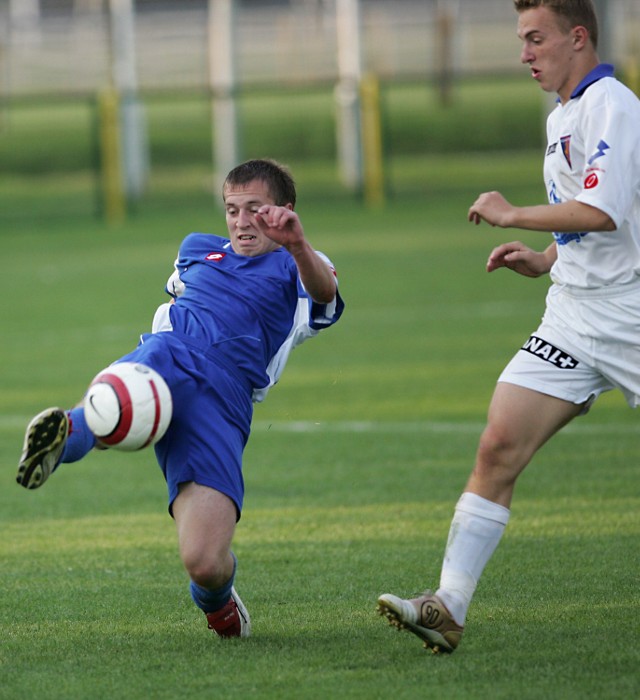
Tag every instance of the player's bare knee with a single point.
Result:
(500, 454)
(208, 574)
(495, 445)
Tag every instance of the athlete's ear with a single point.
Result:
(580, 37)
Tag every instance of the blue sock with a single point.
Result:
(81, 440)
(210, 601)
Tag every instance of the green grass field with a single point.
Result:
(354, 466)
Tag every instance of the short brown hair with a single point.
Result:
(278, 179)
(577, 13)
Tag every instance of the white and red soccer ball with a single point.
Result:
(128, 406)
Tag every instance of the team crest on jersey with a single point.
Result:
(565, 143)
(215, 257)
(549, 353)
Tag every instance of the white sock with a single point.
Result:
(476, 529)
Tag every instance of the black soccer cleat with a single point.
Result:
(44, 442)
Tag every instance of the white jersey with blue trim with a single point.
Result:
(593, 156)
(253, 310)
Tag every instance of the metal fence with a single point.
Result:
(62, 46)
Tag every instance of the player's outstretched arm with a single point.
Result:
(521, 259)
(283, 226)
(566, 217)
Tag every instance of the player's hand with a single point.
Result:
(281, 225)
(493, 208)
(520, 258)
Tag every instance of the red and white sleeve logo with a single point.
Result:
(215, 257)
(591, 181)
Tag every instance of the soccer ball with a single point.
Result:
(128, 406)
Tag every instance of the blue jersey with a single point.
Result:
(252, 310)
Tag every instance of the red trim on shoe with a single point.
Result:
(226, 622)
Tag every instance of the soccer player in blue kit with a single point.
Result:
(589, 338)
(239, 305)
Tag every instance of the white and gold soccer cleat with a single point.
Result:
(426, 616)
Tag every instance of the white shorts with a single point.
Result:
(587, 343)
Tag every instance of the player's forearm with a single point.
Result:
(316, 276)
(566, 217)
(550, 255)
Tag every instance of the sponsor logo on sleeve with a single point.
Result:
(215, 257)
(600, 151)
(591, 181)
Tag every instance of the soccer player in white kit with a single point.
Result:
(589, 339)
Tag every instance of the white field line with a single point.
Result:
(364, 426)
(463, 427)
(13, 422)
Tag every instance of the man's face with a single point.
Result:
(549, 48)
(241, 205)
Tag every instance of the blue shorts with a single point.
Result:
(212, 411)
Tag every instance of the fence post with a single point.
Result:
(372, 141)
(112, 189)
(444, 53)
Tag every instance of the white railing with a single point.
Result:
(66, 51)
